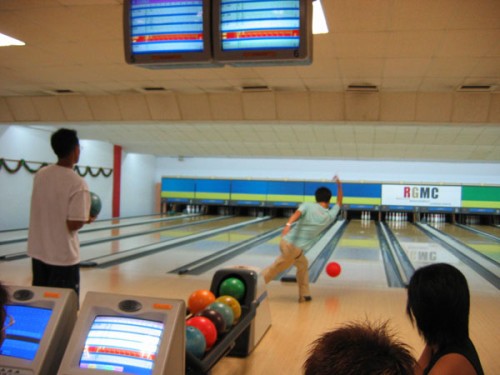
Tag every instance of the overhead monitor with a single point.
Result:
(42, 322)
(260, 32)
(127, 334)
(162, 34)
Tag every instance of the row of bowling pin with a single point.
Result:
(365, 215)
(434, 218)
(396, 216)
(473, 220)
(256, 212)
(193, 209)
(225, 210)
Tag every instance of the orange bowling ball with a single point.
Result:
(233, 304)
(200, 299)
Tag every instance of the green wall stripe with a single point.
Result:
(225, 196)
(174, 194)
(481, 193)
(285, 198)
(480, 204)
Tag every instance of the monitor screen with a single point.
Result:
(249, 31)
(122, 344)
(23, 337)
(163, 32)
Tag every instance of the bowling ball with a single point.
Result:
(216, 318)
(195, 342)
(234, 287)
(200, 299)
(333, 269)
(225, 311)
(233, 304)
(206, 327)
(95, 204)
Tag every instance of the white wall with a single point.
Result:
(138, 184)
(20, 143)
(33, 144)
(355, 171)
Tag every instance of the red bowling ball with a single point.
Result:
(333, 269)
(206, 327)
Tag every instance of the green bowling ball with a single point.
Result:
(95, 204)
(234, 287)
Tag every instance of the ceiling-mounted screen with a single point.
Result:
(256, 32)
(167, 33)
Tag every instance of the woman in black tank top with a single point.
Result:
(438, 304)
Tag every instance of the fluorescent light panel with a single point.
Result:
(6, 41)
(319, 20)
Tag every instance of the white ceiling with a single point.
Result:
(424, 46)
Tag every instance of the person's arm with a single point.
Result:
(423, 361)
(77, 225)
(453, 364)
(340, 194)
(74, 225)
(291, 220)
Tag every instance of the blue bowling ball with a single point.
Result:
(195, 342)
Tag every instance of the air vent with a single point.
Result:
(151, 90)
(475, 88)
(367, 88)
(255, 88)
(60, 92)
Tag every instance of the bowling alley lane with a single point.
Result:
(488, 247)
(100, 223)
(260, 256)
(122, 245)
(165, 261)
(138, 227)
(17, 248)
(358, 253)
(489, 229)
(13, 235)
(21, 234)
(92, 235)
(422, 251)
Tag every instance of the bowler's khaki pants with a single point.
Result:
(290, 255)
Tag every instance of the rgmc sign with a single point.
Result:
(426, 195)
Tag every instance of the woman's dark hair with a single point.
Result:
(63, 142)
(323, 194)
(439, 303)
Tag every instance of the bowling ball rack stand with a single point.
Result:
(223, 346)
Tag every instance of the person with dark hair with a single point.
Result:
(359, 349)
(439, 303)
(4, 299)
(60, 206)
(312, 219)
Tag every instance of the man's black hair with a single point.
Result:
(63, 142)
(323, 194)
